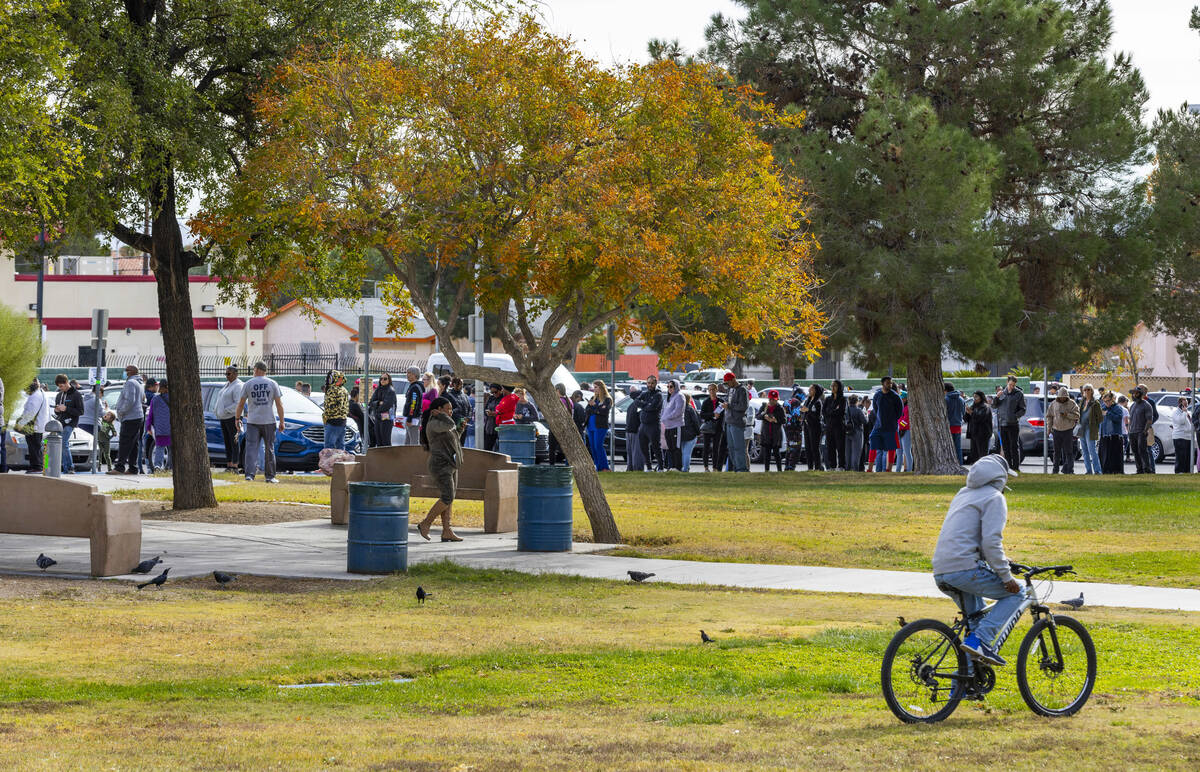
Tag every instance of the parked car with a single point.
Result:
(81, 441)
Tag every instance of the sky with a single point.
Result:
(1154, 32)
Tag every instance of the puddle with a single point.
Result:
(347, 683)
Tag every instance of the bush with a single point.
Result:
(19, 356)
(597, 343)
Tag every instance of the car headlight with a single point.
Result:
(292, 426)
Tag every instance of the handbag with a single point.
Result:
(708, 427)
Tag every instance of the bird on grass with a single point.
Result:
(901, 621)
(639, 576)
(156, 581)
(705, 638)
(223, 578)
(44, 562)
(1074, 602)
(422, 595)
(146, 565)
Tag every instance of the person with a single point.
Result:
(1150, 462)
(556, 450)
(854, 422)
(462, 407)
(524, 411)
(414, 397)
(691, 431)
(969, 559)
(1123, 401)
(811, 409)
(3, 436)
(336, 410)
(1112, 437)
(92, 399)
(226, 412)
(259, 395)
(1090, 416)
(32, 423)
(904, 457)
(1062, 416)
(68, 407)
(979, 427)
(1009, 404)
(490, 438)
(634, 461)
(834, 414)
(598, 410)
(470, 436)
(146, 448)
(672, 424)
(381, 410)
(1141, 418)
(737, 403)
(507, 407)
(773, 420)
(955, 412)
(579, 414)
(158, 422)
(887, 408)
(131, 413)
(438, 434)
(360, 417)
(1181, 425)
(711, 428)
(650, 408)
(428, 391)
(105, 431)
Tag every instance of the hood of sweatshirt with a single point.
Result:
(990, 471)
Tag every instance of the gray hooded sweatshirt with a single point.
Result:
(974, 525)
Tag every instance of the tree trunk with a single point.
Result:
(787, 366)
(604, 526)
(933, 450)
(189, 446)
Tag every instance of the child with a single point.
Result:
(104, 438)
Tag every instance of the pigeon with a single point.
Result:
(639, 576)
(146, 565)
(223, 578)
(1074, 602)
(422, 595)
(44, 562)
(901, 621)
(704, 638)
(157, 581)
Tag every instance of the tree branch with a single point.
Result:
(136, 239)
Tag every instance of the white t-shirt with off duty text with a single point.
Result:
(260, 393)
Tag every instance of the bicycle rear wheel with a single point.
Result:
(1056, 667)
(924, 672)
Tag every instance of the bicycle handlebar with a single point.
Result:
(1032, 571)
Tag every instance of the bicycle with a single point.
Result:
(925, 675)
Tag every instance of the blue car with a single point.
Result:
(297, 447)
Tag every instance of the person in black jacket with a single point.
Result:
(634, 462)
(854, 424)
(773, 420)
(812, 409)
(599, 407)
(579, 414)
(650, 407)
(360, 418)
(413, 406)
(979, 427)
(690, 433)
(68, 406)
(491, 439)
(711, 419)
(382, 410)
(834, 413)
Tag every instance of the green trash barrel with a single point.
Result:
(519, 442)
(544, 508)
(377, 537)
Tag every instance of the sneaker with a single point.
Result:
(273, 481)
(249, 478)
(977, 649)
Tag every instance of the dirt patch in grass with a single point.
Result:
(236, 512)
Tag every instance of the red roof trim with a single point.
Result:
(117, 323)
(106, 278)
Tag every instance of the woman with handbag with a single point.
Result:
(32, 424)
(1088, 429)
(711, 427)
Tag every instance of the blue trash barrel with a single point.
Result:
(377, 537)
(519, 442)
(544, 508)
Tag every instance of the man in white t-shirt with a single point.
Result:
(259, 395)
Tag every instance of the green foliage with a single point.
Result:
(1023, 371)
(963, 374)
(597, 343)
(19, 356)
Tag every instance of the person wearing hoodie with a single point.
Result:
(1062, 416)
(812, 409)
(969, 559)
(955, 411)
(856, 421)
(336, 410)
(979, 427)
(158, 419)
(132, 415)
(672, 423)
(834, 413)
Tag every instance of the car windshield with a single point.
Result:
(700, 376)
(296, 404)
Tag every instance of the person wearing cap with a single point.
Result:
(146, 449)
(131, 412)
(1062, 416)
(1141, 419)
(737, 403)
(969, 558)
(634, 460)
(226, 412)
(158, 423)
(773, 419)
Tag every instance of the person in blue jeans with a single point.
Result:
(970, 558)
(599, 407)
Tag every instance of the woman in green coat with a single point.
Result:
(439, 435)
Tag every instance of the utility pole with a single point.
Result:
(1045, 422)
(478, 330)
(100, 375)
(366, 335)
(612, 386)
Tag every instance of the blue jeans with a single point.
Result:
(977, 584)
(957, 439)
(162, 457)
(68, 463)
(335, 437)
(735, 445)
(595, 443)
(1091, 460)
(904, 458)
(686, 453)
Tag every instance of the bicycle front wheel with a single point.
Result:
(1056, 667)
(924, 672)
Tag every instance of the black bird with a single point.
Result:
(44, 562)
(704, 637)
(223, 578)
(146, 565)
(1074, 602)
(639, 576)
(157, 581)
(422, 595)
(901, 621)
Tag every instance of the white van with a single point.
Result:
(438, 365)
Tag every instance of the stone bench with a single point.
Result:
(482, 476)
(45, 506)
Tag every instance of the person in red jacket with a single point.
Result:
(506, 408)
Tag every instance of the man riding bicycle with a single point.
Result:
(969, 558)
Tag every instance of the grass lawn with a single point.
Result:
(1141, 530)
(534, 672)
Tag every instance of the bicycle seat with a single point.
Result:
(954, 593)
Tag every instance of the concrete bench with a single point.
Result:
(482, 476)
(46, 506)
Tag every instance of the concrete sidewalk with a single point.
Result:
(315, 549)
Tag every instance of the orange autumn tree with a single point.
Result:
(493, 163)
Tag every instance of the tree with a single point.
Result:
(597, 343)
(158, 93)
(557, 195)
(19, 356)
(1026, 78)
